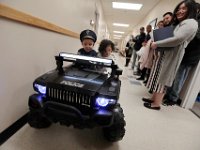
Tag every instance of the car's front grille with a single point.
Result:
(69, 97)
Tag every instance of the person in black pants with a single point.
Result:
(129, 51)
(147, 37)
(139, 39)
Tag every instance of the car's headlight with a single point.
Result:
(40, 88)
(103, 102)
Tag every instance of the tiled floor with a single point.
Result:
(171, 128)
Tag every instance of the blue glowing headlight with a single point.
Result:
(41, 88)
(103, 102)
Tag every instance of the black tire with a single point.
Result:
(116, 131)
(38, 120)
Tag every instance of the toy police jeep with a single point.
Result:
(80, 95)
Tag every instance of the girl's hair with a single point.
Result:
(104, 43)
(191, 12)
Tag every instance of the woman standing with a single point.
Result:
(173, 50)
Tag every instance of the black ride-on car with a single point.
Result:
(80, 94)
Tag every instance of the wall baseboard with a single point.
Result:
(12, 129)
(195, 113)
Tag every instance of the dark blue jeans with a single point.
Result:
(181, 76)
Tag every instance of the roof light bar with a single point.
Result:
(129, 6)
(93, 59)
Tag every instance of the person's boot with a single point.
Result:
(168, 102)
(136, 73)
(145, 81)
(179, 101)
(127, 62)
(140, 78)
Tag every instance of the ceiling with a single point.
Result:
(130, 17)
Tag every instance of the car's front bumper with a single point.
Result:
(70, 115)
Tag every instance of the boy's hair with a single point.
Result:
(168, 13)
(88, 34)
(104, 43)
(142, 28)
(161, 21)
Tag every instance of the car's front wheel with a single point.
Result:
(116, 131)
(38, 120)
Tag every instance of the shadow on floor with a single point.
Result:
(60, 138)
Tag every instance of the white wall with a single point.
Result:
(103, 30)
(27, 52)
(157, 12)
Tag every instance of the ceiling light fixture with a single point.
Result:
(116, 38)
(120, 24)
(129, 6)
(120, 32)
(117, 35)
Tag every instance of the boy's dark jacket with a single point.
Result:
(92, 53)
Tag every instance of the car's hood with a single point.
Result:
(74, 78)
(84, 79)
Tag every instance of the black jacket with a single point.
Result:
(139, 39)
(192, 51)
(148, 37)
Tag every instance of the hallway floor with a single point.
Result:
(171, 128)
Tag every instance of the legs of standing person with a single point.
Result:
(138, 71)
(147, 76)
(134, 59)
(138, 66)
(158, 97)
(143, 74)
(173, 92)
(128, 58)
(127, 61)
(155, 102)
(151, 99)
